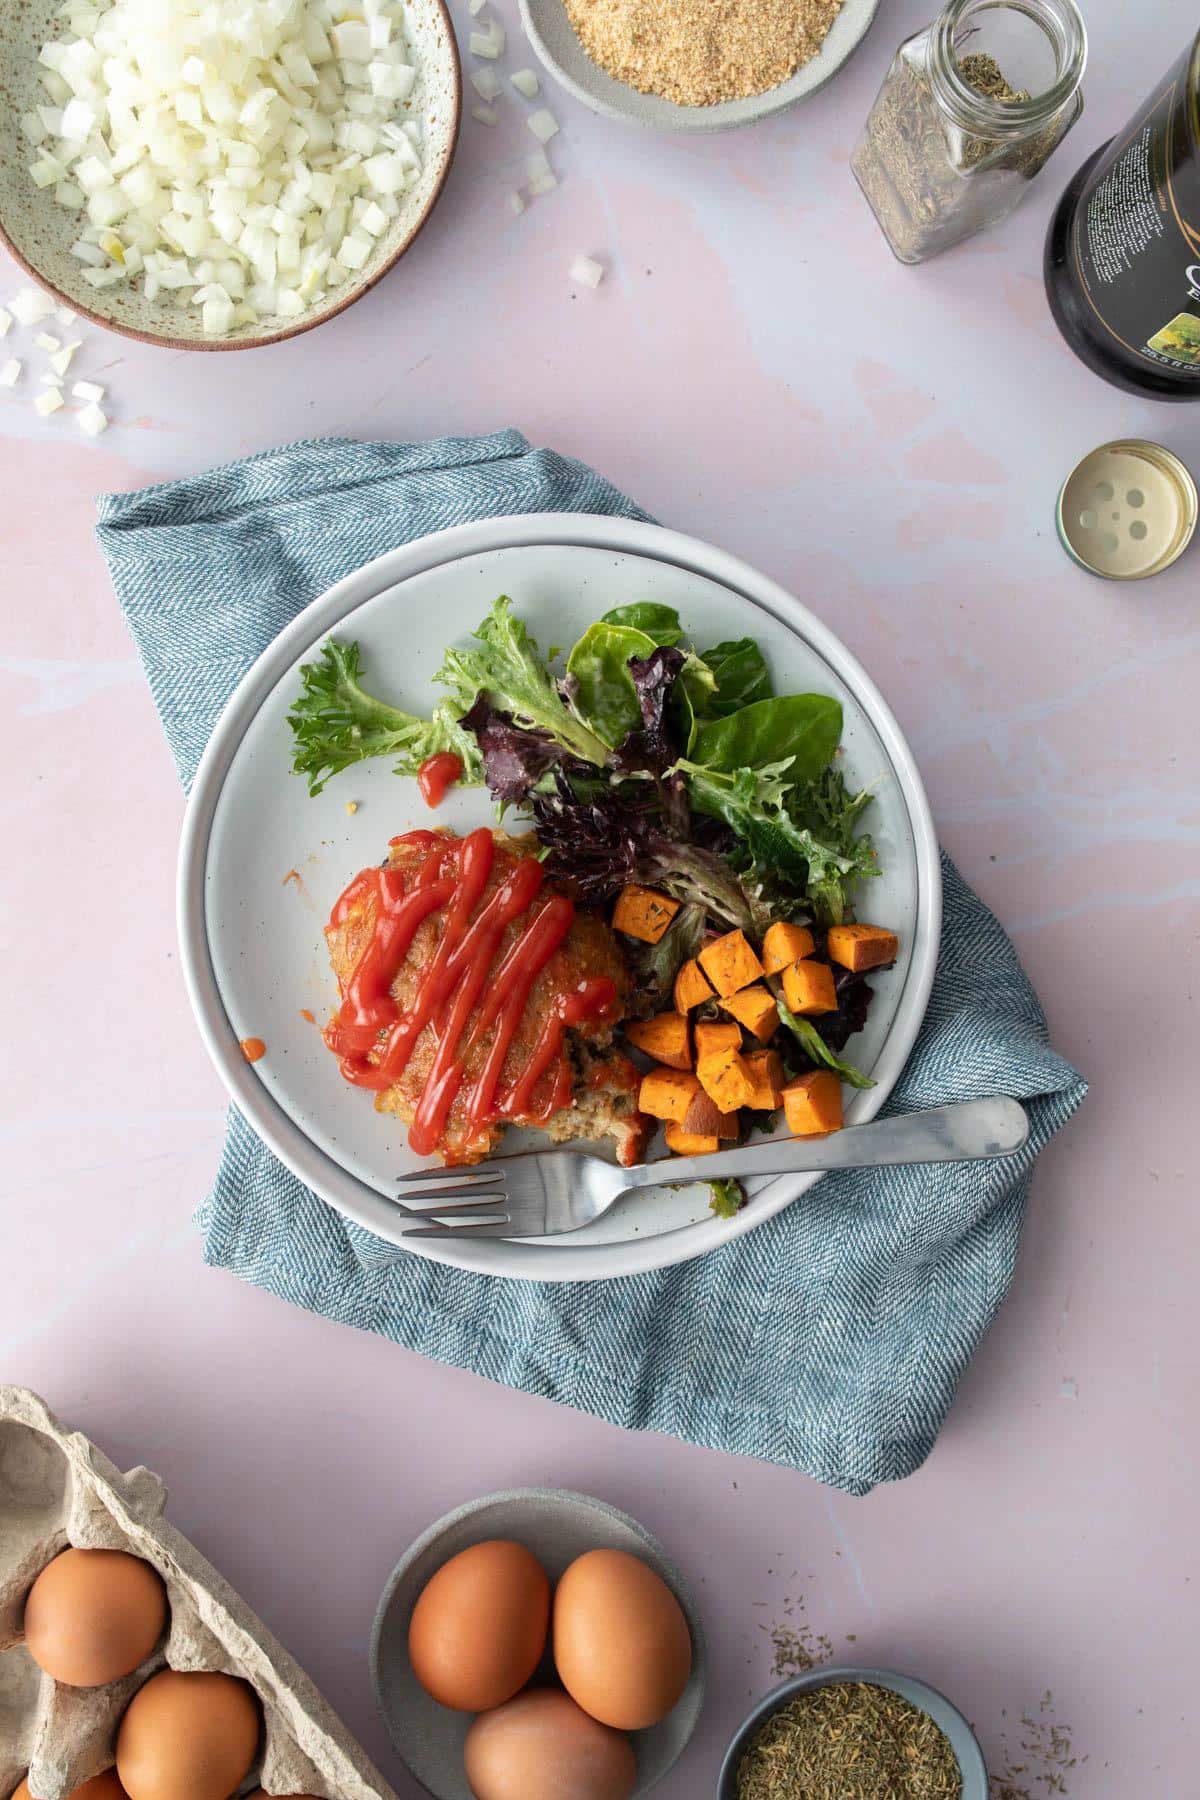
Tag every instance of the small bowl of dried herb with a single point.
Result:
(854, 1734)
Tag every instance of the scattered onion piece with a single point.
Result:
(5, 322)
(486, 83)
(10, 374)
(92, 421)
(490, 44)
(517, 200)
(48, 401)
(587, 271)
(543, 125)
(88, 390)
(486, 115)
(526, 83)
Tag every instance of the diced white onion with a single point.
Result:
(487, 115)
(543, 125)
(48, 401)
(489, 43)
(517, 200)
(476, 7)
(486, 83)
(51, 380)
(93, 421)
(10, 374)
(587, 271)
(30, 306)
(526, 83)
(88, 390)
(241, 158)
(65, 315)
(5, 321)
(45, 340)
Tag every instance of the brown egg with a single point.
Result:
(188, 1737)
(622, 1646)
(478, 1630)
(541, 1746)
(100, 1787)
(94, 1615)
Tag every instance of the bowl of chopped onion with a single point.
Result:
(217, 175)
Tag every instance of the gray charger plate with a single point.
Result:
(557, 1526)
(553, 37)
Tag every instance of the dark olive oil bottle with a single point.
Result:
(1123, 253)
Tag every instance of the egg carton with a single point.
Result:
(57, 1490)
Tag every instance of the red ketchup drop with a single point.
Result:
(436, 774)
(471, 992)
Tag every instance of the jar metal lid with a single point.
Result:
(1128, 510)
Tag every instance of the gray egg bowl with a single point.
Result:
(553, 37)
(39, 232)
(557, 1526)
(943, 1713)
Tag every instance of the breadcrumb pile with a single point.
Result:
(701, 52)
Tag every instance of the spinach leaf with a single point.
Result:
(728, 1197)
(509, 668)
(741, 674)
(599, 681)
(658, 622)
(804, 729)
(692, 698)
(818, 1051)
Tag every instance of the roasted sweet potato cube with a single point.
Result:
(765, 1069)
(724, 1079)
(664, 1037)
(812, 1104)
(705, 1118)
(808, 988)
(667, 1093)
(754, 1008)
(860, 947)
(690, 1143)
(730, 963)
(716, 1034)
(692, 987)
(785, 943)
(643, 912)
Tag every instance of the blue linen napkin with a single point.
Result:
(832, 1337)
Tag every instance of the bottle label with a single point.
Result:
(1135, 239)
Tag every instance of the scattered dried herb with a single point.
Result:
(849, 1741)
(1045, 1759)
(984, 74)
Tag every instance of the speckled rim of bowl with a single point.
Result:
(319, 317)
(943, 1712)
(576, 1501)
(562, 54)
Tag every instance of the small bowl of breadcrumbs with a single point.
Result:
(692, 65)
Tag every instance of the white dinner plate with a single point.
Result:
(261, 863)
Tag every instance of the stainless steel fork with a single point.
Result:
(545, 1193)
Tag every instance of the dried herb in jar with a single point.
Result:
(849, 1741)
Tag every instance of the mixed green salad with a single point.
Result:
(637, 756)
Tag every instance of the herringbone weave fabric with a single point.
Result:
(831, 1338)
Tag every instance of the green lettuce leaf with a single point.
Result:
(335, 723)
(511, 671)
(602, 689)
(818, 1051)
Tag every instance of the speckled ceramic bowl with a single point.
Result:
(39, 232)
(944, 1714)
(553, 37)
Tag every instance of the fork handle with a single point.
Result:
(967, 1132)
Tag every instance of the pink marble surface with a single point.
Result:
(887, 442)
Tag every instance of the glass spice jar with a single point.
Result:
(970, 111)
